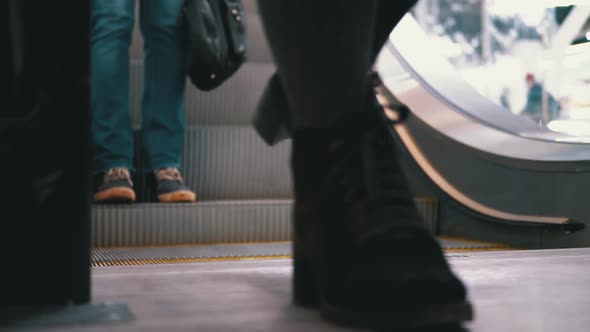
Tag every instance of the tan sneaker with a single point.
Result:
(171, 188)
(116, 187)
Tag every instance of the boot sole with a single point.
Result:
(182, 196)
(307, 294)
(115, 195)
(404, 317)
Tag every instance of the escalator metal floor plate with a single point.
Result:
(230, 252)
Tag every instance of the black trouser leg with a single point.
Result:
(389, 13)
(324, 50)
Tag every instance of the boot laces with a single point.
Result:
(370, 179)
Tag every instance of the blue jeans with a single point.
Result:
(162, 119)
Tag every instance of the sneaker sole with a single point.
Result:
(115, 195)
(182, 196)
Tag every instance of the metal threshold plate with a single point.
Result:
(235, 251)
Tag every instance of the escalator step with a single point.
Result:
(230, 162)
(160, 224)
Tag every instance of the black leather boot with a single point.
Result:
(361, 251)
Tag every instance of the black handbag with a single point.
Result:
(214, 40)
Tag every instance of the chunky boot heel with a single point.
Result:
(306, 291)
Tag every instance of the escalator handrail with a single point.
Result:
(409, 85)
(409, 43)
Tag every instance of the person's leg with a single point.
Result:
(273, 119)
(163, 84)
(111, 29)
(163, 120)
(361, 250)
(312, 43)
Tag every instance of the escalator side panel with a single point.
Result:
(519, 191)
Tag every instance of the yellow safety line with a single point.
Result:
(186, 245)
(460, 250)
(486, 246)
(158, 261)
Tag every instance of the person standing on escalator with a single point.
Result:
(534, 104)
(162, 104)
